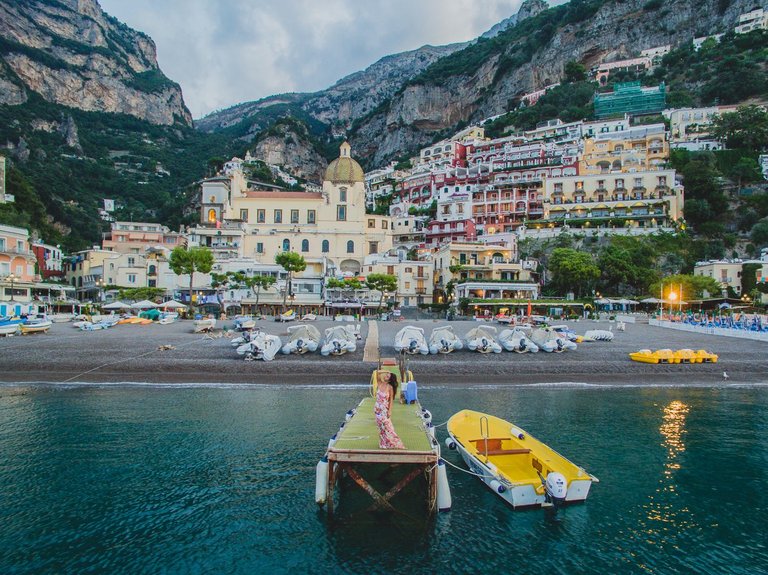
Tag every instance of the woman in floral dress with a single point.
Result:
(382, 409)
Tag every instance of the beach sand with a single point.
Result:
(129, 353)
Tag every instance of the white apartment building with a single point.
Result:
(755, 20)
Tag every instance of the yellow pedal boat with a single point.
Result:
(658, 356)
(668, 356)
(519, 468)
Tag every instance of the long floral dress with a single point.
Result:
(388, 438)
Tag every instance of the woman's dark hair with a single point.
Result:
(392, 381)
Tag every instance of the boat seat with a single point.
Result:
(507, 451)
(493, 444)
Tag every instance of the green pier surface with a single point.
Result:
(361, 433)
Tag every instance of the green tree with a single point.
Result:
(382, 283)
(136, 294)
(292, 263)
(572, 270)
(188, 261)
(746, 171)
(259, 283)
(575, 72)
(759, 234)
(746, 128)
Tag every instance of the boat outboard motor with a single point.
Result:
(484, 344)
(444, 344)
(299, 345)
(559, 344)
(523, 343)
(412, 346)
(556, 488)
(336, 347)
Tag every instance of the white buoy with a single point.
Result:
(443, 489)
(321, 481)
(431, 430)
(517, 433)
(450, 443)
(332, 440)
(497, 486)
(426, 415)
(350, 414)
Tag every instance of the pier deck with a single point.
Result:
(385, 473)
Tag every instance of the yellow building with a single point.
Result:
(647, 199)
(330, 229)
(484, 271)
(414, 278)
(636, 149)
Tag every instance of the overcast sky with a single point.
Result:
(224, 53)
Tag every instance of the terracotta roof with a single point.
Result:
(284, 195)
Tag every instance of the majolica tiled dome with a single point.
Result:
(344, 169)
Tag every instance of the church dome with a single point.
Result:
(344, 169)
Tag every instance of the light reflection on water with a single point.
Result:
(221, 480)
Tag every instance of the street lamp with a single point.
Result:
(672, 299)
(100, 284)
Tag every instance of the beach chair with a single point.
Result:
(411, 392)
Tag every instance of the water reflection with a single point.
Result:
(668, 518)
(673, 429)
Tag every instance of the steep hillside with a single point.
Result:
(71, 53)
(86, 114)
(484, 78)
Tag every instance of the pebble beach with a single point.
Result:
(157, 354)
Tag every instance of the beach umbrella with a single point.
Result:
(651, 300)
(144, 304)
(603, 301)
(116, 305)
(172, 304)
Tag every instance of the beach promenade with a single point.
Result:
(131, 353)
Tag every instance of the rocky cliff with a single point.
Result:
(71, 53)
(527, 57)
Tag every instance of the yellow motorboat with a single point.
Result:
(519, 468)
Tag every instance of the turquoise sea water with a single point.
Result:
(221, 480)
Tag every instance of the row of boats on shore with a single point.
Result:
(255, 344)
(484, 339)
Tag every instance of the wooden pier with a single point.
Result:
(396, 480)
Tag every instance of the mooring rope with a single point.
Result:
(122, 361)
(460, 469)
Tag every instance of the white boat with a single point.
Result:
(598, 335)
(244, 322)
(443, 340)
(308, 317)
(483, 339)
(517, 340)
(105, 323)
(205, 325)
(9, 326)
(411, 340)
(301, 339)
(339, 340)
(548, 340)
(35, 326)
(167, 317)
(261, 346)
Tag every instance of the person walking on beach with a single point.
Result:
(382, 410)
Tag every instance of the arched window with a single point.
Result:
(80, 281)
(152, 269)
(211, 215)
(326, 247)
(305, 245)
(350, 247)
(286, 245)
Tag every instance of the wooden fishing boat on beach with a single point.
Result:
(397, 480)
(35, 326)
(517, 467)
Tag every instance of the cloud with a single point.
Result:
(224, 53)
